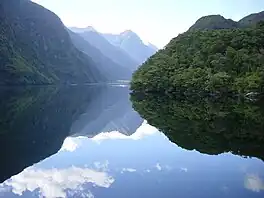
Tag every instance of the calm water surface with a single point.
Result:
(89, 142)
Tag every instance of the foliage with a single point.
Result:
(208, 125)
(213, 22)
(35, 48)
(210, 61)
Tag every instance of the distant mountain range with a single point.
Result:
(125, 48)
(81, 30)
(36, 48)
(114, 53)
(106, 65)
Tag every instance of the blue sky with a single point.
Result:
(156, 21)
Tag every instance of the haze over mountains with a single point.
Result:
(114, 53)
(36, 48)
(131, 43)
(106, 65)
(125, 48)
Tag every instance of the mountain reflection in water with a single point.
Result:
(211, 126)
(93, 144)
(34, 121)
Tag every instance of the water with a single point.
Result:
(89, 142)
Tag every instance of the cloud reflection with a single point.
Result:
(54, 182)
(254, 183)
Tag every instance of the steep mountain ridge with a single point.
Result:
(35, 48)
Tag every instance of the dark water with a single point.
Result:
(89, 142)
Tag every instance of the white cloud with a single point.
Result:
(53, 182)
(254, 183)
(144, 130)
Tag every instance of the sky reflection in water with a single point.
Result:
(143, 164)
(109, 152)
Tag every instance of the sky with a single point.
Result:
(156, 21)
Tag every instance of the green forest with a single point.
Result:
(35, 48)
(218, 61)
(208, 125)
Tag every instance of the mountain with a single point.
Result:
(251, 19)
(81, 30)
(214, 62)
(131, 43)
(107, 66)
(35, 48)
(213, 22)
(114, 53)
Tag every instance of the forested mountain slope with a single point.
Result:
(35, 48)
(217, 61)
(213, 22)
